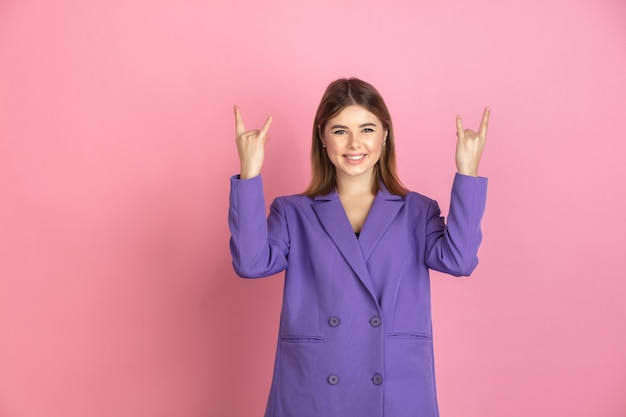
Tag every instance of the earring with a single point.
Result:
(384, 143)
(323, 146)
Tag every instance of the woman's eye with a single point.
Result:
(368, 130)
(339, 132)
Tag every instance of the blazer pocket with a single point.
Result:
(410, 336)
(301, 339)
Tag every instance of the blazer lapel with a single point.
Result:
(384, 209)
(333, 218)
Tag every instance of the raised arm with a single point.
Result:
(452, 246)
(258, 246)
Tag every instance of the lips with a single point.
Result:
(355, 157)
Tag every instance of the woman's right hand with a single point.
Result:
(250, 146)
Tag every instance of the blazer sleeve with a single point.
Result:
(258, 247)
(452, 248)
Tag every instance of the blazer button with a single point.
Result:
(334, 321)
(375, 321)
(333, 379)
(377, 379)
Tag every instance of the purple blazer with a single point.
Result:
(355, 334)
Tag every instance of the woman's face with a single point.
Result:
(354, 140)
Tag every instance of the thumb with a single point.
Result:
(266, 127)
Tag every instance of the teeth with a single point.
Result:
(354, 158)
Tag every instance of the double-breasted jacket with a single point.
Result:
(355, 335)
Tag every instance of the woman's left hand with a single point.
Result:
(470, 145)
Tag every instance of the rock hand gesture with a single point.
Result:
(470, 145)
(250, 146)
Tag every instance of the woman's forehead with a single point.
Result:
(354, 115)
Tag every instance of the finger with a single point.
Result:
(251, 134)
(470, 134)
(239, 127)
(484, 124)
(266, 127)
(460, 133)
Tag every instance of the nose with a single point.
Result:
(353, 140)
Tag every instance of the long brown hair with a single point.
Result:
(339, 95)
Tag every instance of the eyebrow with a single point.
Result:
(346, 127)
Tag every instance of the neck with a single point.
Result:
(355, 186)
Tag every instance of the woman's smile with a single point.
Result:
(355, 159)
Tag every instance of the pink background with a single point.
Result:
(117, 297)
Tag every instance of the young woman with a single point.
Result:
(355, 336)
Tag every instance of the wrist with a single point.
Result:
(245, 175)
(468, 172)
